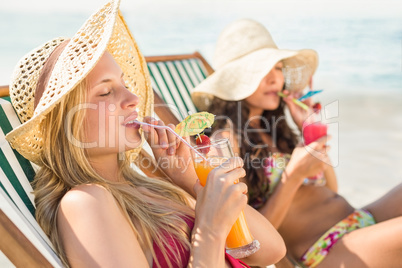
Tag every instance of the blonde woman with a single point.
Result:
(77, 99)
(319, 226)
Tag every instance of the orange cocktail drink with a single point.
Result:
(240, 242)
(239, 235)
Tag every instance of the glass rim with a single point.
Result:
(305, 124)
(214, 143)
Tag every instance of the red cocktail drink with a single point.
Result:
(311, 133)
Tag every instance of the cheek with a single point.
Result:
(254, 99)
(96, 124)
(91, 126)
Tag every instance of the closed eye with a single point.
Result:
(106, 94)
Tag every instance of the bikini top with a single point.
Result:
(273, 166)
(184, 255)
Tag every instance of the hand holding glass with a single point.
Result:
(239, 243)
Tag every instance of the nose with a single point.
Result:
(273, 77)
(130, 100)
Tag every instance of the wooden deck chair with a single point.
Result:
(173, 77)
(21, 239)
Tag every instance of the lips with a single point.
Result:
(132, 125)
(130, 121)
(273, 93)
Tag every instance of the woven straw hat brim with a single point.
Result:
(104, 30)
(240, 78)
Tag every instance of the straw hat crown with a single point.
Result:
(240, 39)
(105, 30)
(25, 78)
(245, 53)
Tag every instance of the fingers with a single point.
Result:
(242, 188)
(308, 102)
(232, 166)
(172, 141)
(150, 132)
(149, 120)
(223, 189)
(159, 137)
(197, 188)
(320, 145)
(162, 136)
(239, 187)
(239, 192)
(324, 139)
(288, 98)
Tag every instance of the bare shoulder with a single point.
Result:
(86, 194)
(86, 200)
(95, 230)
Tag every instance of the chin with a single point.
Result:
(131, 141)
(271, 106)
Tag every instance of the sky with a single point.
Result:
(197, 21)
(309, 7)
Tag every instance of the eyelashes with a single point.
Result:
(105, 94)
(109, 91)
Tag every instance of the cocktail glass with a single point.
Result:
(240, 242)
(311, 133)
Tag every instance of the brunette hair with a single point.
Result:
(235, 114)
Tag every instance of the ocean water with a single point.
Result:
(359, 42)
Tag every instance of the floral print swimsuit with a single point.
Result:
(273, 169)
(358, 219)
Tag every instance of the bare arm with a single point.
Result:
(218, 206)
(95, 232)
(273, 248)
(278, 204)
(303, 163)
(330, 177)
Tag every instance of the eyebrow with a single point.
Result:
(107, 80)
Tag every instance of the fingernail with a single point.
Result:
(164, 144)
(171, 151)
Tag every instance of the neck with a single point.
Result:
(106, 166)
(255, 116)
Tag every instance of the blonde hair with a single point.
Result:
(161, 207)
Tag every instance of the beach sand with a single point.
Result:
(366, 147)
(369, 145)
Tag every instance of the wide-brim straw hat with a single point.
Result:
(244, 55)
(105, 30)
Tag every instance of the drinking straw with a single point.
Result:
(296, 101)
(173, 132)
(310, 94)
